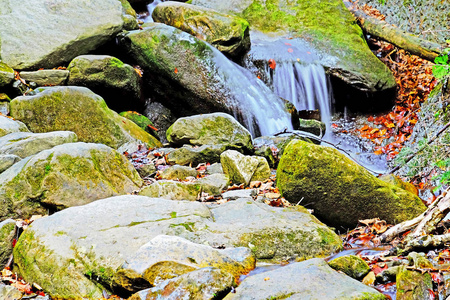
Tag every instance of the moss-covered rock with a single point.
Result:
(129, 16)
(6, 240)
(141, 121)
(243, 169)
(178, 172)
(324, 24)
(340, 191)
(193, 155)
(118, 83)
(79, 110)
(229, 34)
(412, 285)
(6, 74)
(313, 126)
(46, 77)
(351, 265)
(210, 129)
(66, 175)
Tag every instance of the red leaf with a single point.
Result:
(272, 64)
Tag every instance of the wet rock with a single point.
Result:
(205, 283)
(228, 33)
(146, 170)
(115, 228)
(313, 126)
(351, 265)
(8, 125)
(419, 261)
(161, 117)
(333, 36)
(23, 144)
(59, 109)
(51, 33)
(46, 77)
(243, 169)
(129, 16)
(413, 284)
(6, 240)
(210, 129)
(388, 275)
(64, 176)
(166, 257)
(6, 74)
(204, 78)
(340, 191)
(116, 82)
(311, 279)
(266, 152)
(178, 172)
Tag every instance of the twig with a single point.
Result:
(411, 156)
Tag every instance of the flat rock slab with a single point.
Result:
(308, 280)
(45, 34)
(79, 244)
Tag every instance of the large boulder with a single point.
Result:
(116, 82)
(79, 110)
(70, 261)
(38, 34)
(66, 175)
(229, 34)
(210, 129)
(340, 191)
(193, 77)
(325, 26)
(46, 77)
(312, 279)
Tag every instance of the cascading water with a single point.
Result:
(305, 86)
(150, 8)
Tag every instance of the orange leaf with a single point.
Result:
(378, 152)
(389, 125)
(176, 71)
(272, 64)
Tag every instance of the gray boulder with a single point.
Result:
(64, 176)
(243, 169)
(7, 161)
(46, 77)
(229, 34)
(24, 144)
(8, 125)
(52, 33)
(6, 74)
(178, 172)
(210, 129)
(79, 110)
(118, 83)
(84, 260)
(312, 279)
(166, 257)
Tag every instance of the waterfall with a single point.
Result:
(150, 8)
(303, 85)
(252, 102)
